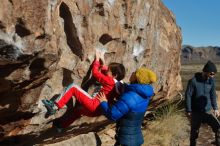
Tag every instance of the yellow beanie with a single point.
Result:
(145, 76)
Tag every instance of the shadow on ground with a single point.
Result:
(50, 136)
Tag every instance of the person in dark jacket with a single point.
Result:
(201, 100)
(130, 108)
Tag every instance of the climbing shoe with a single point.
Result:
(49, 106)
(58, 126)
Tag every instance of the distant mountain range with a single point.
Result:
(192, 54)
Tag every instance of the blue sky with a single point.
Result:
(199, 21)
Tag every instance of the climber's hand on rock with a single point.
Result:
(97, 55)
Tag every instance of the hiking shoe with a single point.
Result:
(49, 106)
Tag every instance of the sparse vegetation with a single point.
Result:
(170, 127)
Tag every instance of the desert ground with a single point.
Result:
(171, 127)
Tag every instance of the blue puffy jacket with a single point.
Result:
(129, 111)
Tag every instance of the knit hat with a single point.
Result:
(210, 67)
(145, 76)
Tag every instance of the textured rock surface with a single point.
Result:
(47, 44)
(83, 140)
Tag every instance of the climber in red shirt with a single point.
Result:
(108, 80)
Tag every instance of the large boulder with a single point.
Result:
(47, 44)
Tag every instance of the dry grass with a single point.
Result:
(170, 128)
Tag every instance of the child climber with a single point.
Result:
(108, 80)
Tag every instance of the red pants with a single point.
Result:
(81, 96)
(90, 105)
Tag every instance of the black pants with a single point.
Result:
(202, 117)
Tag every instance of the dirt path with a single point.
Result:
(206, 137)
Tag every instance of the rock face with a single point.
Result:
(47, 44)
(81, 140)
(199, 54)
